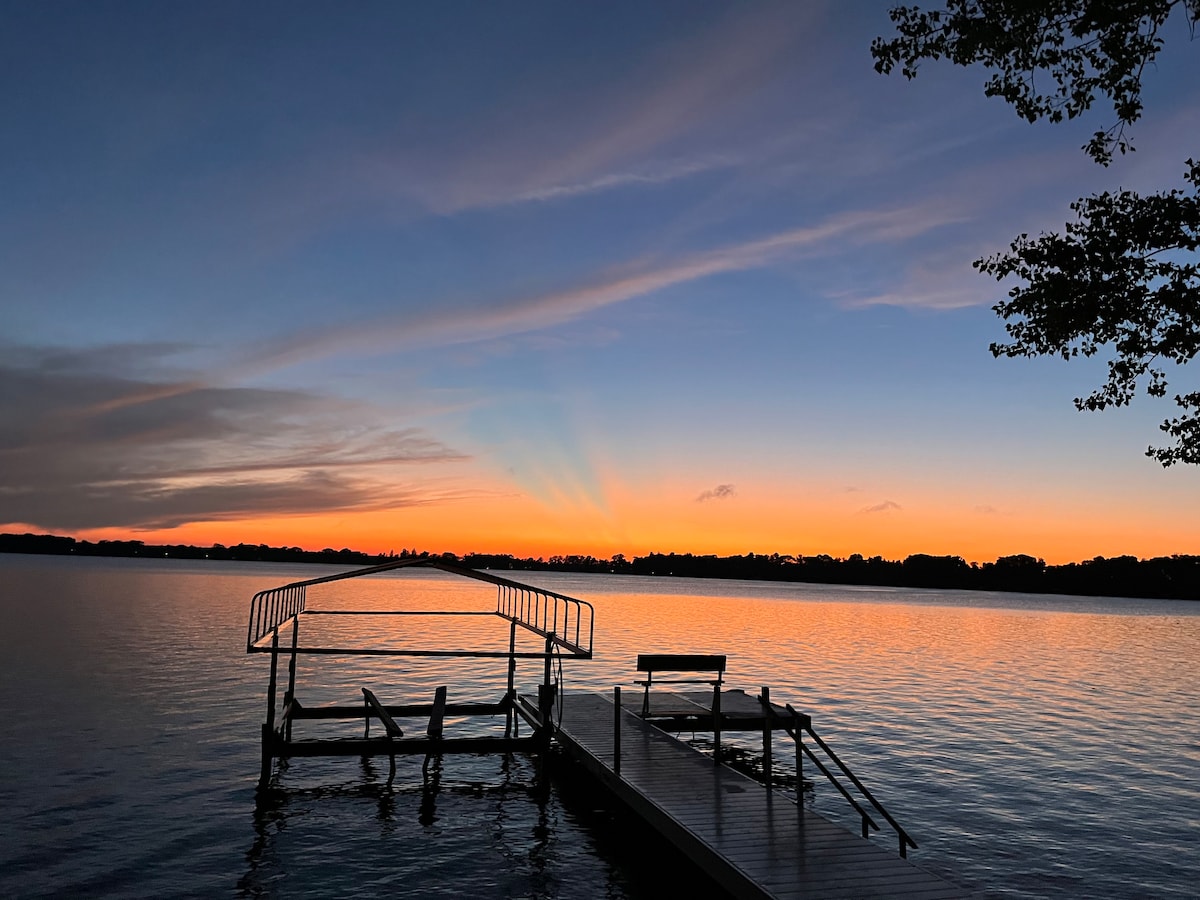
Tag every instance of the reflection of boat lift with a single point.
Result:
(565, 624)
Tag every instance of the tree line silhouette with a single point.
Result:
(1165, 577)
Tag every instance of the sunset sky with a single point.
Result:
(547, 278)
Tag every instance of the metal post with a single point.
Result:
(766, 702)
(799, 758)
(268, 736)
(546, 694)
(271, 684)
(716, 712)
(511, 722)
(290, 696)
(617, 730)
(264, 773)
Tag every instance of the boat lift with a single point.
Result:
(565, 625)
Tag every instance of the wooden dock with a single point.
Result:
(753, 841)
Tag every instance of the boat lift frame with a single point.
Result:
(565, 623)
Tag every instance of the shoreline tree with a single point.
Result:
(1163, 577)
(1124, 277)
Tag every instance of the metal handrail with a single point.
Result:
(564, 621)
(803, 723)
(270, 609)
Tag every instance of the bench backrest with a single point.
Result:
(680, 662)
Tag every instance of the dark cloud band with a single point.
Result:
(112, 437)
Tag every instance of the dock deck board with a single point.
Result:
(751, 840)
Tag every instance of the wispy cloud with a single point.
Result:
(77, 452)
(489, 320)
(648, 177)
(720, 492)
(954, 286)
(580, 136)
(986, 509)
(884, 507)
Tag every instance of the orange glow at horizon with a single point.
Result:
(672, 519)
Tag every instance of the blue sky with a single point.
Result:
(546, 273)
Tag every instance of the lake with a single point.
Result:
(1034, 746)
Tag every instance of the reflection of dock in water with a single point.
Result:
(748, 837)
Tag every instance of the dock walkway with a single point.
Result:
(752, 841)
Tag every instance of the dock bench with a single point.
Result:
(672, 663)
(394, 732)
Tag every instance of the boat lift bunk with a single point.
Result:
(559, 626)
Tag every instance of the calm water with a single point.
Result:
(1034, 746)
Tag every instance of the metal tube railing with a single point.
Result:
(548, 614)
(801, 723)
(270, 609)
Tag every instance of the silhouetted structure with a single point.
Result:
(749, 838)
(564, 623)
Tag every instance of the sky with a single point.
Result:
(547, 278)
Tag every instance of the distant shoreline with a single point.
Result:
(1161, 578)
